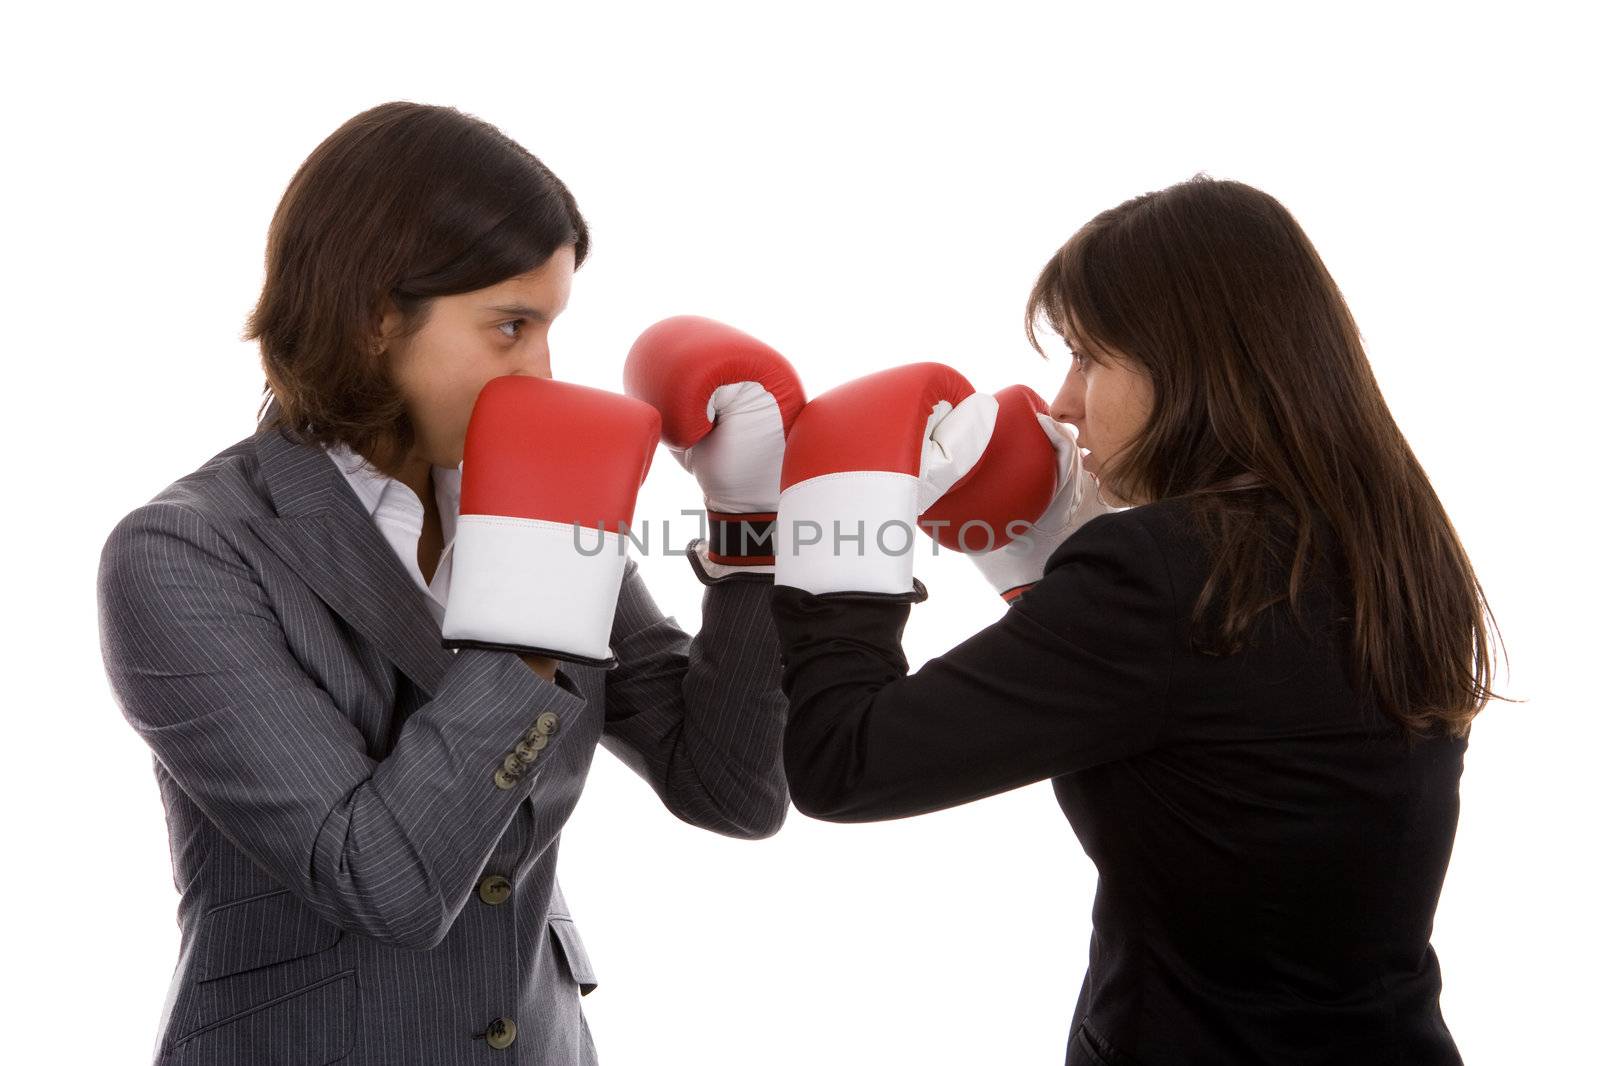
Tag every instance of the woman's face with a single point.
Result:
(1108, 399)
(470, 338)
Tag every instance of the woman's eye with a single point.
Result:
(515, 326)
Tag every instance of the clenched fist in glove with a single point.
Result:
(727, 402)
(1071, 493)
(548, 483)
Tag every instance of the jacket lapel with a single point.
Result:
(322, 531)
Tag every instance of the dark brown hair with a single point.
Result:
(403, 203)
(1266, 412)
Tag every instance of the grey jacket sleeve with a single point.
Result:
(199, 664)
(702, 719)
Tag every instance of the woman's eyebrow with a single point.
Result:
(520, 309)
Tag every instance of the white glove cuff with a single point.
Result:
(525, 584)
(854, 531)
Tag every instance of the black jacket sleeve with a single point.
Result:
(701, 718)
(1075, 673)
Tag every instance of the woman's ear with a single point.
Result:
(387, 328)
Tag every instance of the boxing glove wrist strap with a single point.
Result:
(740, 539)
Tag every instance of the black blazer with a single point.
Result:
(1270, 849)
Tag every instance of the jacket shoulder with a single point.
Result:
(225, 488)
(1164, 529)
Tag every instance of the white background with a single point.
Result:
(861, 186)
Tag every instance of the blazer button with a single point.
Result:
(535, 741)
(546, 723)
(512, 764)
(528, 751)
(494, 890)
(504, 780)
(502, 1033)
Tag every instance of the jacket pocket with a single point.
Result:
(310, 1026)
(570, 947)
(246, 934)
(1089, 1048)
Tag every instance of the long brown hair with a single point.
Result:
(403, 203)
(1267, 414)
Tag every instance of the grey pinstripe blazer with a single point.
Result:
(327, 768)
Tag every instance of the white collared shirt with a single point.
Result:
(397, 511)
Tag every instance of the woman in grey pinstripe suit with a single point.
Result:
(357, 883)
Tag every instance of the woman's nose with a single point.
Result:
(537, 365)
(1068, 405)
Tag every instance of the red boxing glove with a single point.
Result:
(548, 483)
(865, 459)
(1009, 485)
(727, 402)
(1074, 499)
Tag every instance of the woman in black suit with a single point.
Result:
(1251, 688)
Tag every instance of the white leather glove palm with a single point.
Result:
(737, 464)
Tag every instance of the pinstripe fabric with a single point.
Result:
(327, 773)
